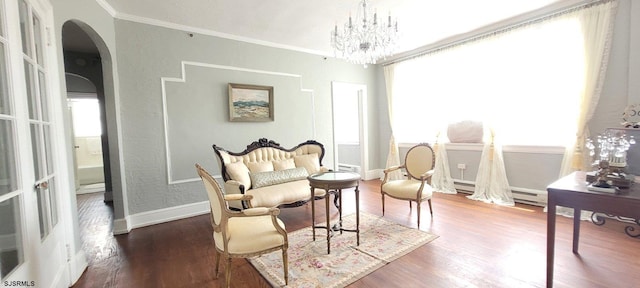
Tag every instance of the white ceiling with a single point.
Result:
(306, 24)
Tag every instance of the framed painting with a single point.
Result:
(250, 103)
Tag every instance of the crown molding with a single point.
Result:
(107, 7)
(208, 32)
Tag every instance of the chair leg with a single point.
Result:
(382, 204)
(430, 209)
(228, 272)
(285, 263)
(418, 208)
(410, 206)
(217, 264)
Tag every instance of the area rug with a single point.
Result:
(381, 241)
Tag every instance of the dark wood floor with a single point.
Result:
(480, 245)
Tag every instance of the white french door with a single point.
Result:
(32, 235)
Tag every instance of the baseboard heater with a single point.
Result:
(520, 195)
(349, 168)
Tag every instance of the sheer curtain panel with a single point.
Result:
(393, 157)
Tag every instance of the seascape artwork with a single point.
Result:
(251, 103)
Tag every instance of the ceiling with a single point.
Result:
(305, 25)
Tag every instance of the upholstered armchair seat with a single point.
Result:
(406, 189)
(250, 235)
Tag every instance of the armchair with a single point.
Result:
(242, 234)
(419, 163)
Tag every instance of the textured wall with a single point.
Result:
(198, 107)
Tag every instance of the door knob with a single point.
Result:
(42, 185)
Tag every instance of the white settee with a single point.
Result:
(272, 175)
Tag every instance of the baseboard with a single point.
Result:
(121, 226)
(373, 174)
(520, 195)
(168, 214)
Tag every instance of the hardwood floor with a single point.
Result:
(480, 245)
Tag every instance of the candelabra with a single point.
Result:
(610, 149)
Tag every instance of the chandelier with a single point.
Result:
(365, 40)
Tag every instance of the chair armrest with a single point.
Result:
(259, 211)
(234, 197)
(392, 168)
(388, 170)
(426, 175)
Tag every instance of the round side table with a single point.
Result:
(333, 182)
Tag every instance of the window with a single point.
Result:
(86, 117)
(525, 83)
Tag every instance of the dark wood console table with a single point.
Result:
(571, 191)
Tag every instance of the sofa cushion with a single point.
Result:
(285, 193)
(264, 166)
(269, 178)
(308, 161)
(284, 164)
(239, 172)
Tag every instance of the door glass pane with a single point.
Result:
(8, 178)
(53, 196)
(43, 96)
(28, 77)
(37, 39)
(48, 150)
(2, 23)
(37, 154)
(11, 250)
(5, 105)
(42, 212)
(24, 28)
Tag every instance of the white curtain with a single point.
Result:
(441, 180)
(492, 185)
(597, 27)
(393, 157)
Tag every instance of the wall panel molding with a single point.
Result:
(307, 93)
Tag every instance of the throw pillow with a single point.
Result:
(262, 179)
(256, 167)
(465, 132)
(308, 161)
(239, 172)
(284, 164)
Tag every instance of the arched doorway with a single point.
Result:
(87, 56)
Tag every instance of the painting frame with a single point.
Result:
(250, 103)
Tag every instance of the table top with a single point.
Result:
(576, 183)
(334, 176)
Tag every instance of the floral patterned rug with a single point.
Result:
(381, 241)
